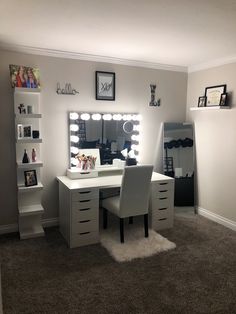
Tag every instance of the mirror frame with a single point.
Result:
(106, 116)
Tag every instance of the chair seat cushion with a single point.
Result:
(112, 204)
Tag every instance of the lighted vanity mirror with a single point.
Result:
(111, 133)
(178, 144)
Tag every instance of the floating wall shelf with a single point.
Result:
(209, 108)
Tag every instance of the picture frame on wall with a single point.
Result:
(213, 94)
(105, 85)
(202, 101)
(24, 76)
(30, 178)
(223, 100)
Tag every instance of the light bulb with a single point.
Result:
(74, 161)
(74, 139)
(117, 117)
(85, 116)
(96, 116)
(74, 127)
(74, 116)
(107, 116)
(74, 150)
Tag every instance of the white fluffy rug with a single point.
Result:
(136, 245)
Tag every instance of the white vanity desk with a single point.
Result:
(79, 205)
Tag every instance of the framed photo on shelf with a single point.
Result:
(105, 85)
(202, 101)
(27, 131)
(19, 131)
(213, 94)
(223, 100)
(30, 178)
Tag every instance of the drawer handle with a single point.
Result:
(162, 198)
(163, 191)
(83, 221)
(84, 192)
(84, 201)
(82, 233)
(163, 183)
(83, 209)
(162, 219)
(163, 208)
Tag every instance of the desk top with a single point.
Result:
(103, 181)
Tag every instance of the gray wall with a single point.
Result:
(132, 95)
(215, 133)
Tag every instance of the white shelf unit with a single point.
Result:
(209, 108)
(30, 209)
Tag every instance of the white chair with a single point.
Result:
(133, 199)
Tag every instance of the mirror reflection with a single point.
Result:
(179, 160)
(111, 133)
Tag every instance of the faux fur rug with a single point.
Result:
(135, 246)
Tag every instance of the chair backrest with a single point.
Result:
(135, 190)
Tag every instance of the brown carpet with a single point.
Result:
(44, 276)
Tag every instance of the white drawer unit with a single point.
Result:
(162, 204)
(78, 214)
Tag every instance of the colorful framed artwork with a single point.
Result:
(24, 76)
(105, 85)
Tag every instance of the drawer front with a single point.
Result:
(85, 194)
(83, 214)
(162, 223)
(158, 188)
(84, 226)
(84, 204)
(162, 213)
(160, 203)
(85, 238)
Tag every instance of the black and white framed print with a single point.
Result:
(105, 85)
(223, 100)
(202, 101)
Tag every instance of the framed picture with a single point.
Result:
(30, 177)
(105, 85)
(223, 100)
(24, 76)
(19, 131)
(27, 131)
(213, 94)
(202, 101)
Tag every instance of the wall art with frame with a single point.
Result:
(213, 94)
(30, 178)
(105, 85)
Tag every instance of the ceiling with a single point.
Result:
(182, 33)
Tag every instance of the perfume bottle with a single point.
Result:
(25, 158)
(34, 158)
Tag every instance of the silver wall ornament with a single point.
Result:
(153, 102)
(67, 90)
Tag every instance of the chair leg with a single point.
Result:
(146, 225)
(104, 218)
(121, 230)
(131, 220)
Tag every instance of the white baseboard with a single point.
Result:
(8, 228)
(14, 227)
(217, 218)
